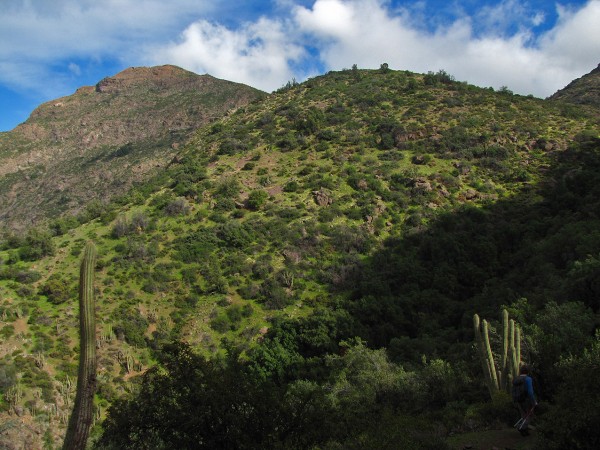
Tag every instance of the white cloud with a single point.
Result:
(260, 54)
(494, 45)
(538, 19)
(38, 34)
(74, 69)
(366, 33)
(575, 40)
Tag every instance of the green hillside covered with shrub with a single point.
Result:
(305, 273)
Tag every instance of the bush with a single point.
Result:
(176, 207)
(256, 199)
(6, 332)
(196, 245)
(291, 186)
(573, 420)
(57, 289)
(501, 408)
(131, 326)
(234, 234)
(221, 323)
(232, 147)
(38, 244)
(60, 226)
(571, 337)
(228, 188)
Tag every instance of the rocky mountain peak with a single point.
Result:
(114, 133)
(163, 76)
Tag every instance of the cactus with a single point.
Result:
(499, 379)
(129, 362)
(485, 354)
(40, 360)
(81, 417)
(13, 395)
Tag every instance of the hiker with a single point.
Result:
(524, 396)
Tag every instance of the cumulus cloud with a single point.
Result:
(495, 45)
(260, 54)
(367, 32)
(38, 36)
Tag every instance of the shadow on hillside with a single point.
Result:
(418, 294)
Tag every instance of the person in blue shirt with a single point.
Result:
(528, 404)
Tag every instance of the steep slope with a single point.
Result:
(99, 141)
(582, 91)
(379, 204)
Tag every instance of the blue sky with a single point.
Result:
(49, 48)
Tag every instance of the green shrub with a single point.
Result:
(7, 331)
(57, 289)
(256, 199)
(195, 246)
(572, 422)
(500, 409)
(130, 325)
(291, 186)
(221, 323)
(37, 244)
(234, 234)
(228, 188)
(232, 147)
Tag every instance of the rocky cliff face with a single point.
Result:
(100, 140)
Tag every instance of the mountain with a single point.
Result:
(582, 91)
(324, 249)
(101, 140)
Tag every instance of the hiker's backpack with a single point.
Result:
(519, 389)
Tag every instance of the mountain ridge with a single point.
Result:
(146, 111)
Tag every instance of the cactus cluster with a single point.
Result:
(499, 374)
(82, 416)
(13, 396)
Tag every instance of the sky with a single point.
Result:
(49, 48)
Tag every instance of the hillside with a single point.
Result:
(582, 91)
(334, 240)
(101, 140)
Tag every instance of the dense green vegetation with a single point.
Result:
(322, 254)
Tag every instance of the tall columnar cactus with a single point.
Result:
(499, 378)
(81, 417)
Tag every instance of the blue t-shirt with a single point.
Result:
(529, 384)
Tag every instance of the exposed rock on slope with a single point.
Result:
(98, 141)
